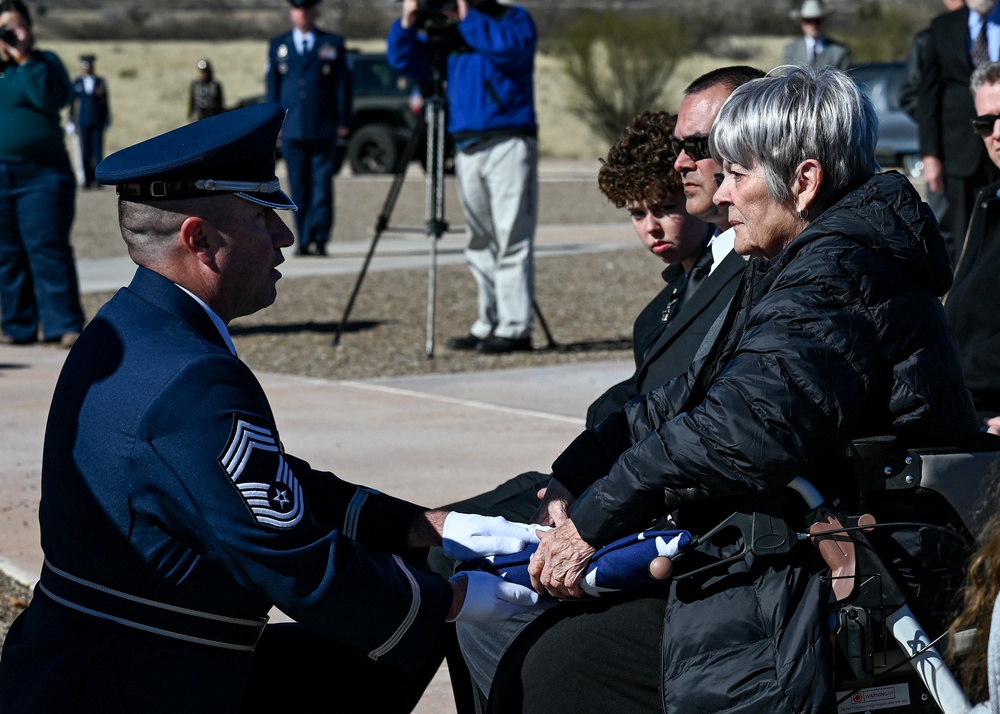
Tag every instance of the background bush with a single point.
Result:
(619, 65)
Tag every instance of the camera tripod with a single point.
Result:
(433, 120)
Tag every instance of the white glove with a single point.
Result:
(490, 598)
(70, 127)
(466, 536)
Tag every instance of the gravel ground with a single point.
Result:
(14, 596)
(588, 302)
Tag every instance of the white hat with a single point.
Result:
(812, 10)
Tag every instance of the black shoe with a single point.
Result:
(320, 249)
(502, 345)
(302, 249)
(469, 342)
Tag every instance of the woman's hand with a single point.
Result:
(408, 16)
(19, 49)
(558, 565)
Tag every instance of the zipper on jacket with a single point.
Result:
(491, 90)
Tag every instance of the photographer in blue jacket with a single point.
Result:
(489, 53)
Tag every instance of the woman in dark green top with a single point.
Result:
(38, 282)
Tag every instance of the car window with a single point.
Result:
(882, 82)
(377, 77)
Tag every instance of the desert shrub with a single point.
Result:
(618, 65)
(883, 33)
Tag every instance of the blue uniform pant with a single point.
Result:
(92, 148)
(38, 281)
(127, 671)
(311, 167)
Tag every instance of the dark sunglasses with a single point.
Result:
(694, 146)
(983, 125)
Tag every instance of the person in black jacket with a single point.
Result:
(954, 161)
(835, 333)
(909, 101)
(974, 300)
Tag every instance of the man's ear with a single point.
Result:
(806, 186)
(196, 239)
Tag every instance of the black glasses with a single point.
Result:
(694, 146)
(983, 125)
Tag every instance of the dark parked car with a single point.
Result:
(387, 108)
(898, 142)
(383, 115)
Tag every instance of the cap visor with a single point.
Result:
(278, 199)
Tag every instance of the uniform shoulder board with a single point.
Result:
(256, 465)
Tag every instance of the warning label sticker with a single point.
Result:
(885, 697)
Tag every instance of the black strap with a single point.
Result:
(203, 628)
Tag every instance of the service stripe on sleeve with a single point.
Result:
(410, 616)
(353, 515)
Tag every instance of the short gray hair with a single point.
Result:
(149, 228)
(986, 73)
(799, 113)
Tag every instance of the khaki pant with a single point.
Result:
(498, 186)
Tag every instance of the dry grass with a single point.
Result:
(148, 84)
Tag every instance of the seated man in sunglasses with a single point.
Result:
(974, 301)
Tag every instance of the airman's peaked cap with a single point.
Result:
(232, 152)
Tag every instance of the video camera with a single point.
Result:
(431, 14)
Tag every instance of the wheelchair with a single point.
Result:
(897, 547)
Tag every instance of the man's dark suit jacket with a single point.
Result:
(973, 304)
(668, 350)
(663, 350)
(946, 106)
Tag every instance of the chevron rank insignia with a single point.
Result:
(256, 464)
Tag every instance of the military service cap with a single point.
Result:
(232, 152)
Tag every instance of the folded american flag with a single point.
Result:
(620, 565)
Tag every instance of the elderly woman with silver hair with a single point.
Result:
(835, 333)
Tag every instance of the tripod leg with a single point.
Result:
(543, 323)
(431, 299)
(382, 222)
(436, 225)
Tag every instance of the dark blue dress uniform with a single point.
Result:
(316, 89)
(92, 116)
(172, 519)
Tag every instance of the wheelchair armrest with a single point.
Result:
(762, 528)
